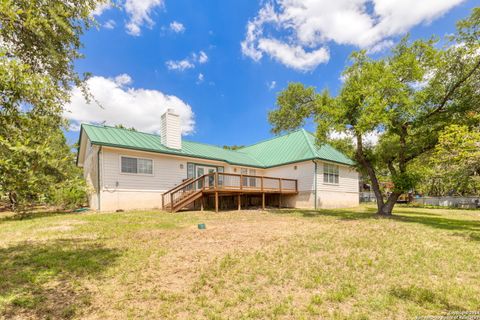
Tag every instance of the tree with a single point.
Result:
(39, 42)
(234, 147)
(407, 98)
(453, 167)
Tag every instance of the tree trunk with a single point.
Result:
(387, 208)
(371, 173)
(13, 200)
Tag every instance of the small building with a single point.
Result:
(126, 169)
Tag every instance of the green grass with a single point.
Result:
(280, 264)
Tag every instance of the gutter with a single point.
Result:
(79, 144)
(315, 183)
(98, 176)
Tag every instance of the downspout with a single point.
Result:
(98, 176)
(315, 183)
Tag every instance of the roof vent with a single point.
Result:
(170, 132)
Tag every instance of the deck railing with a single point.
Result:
(221, 182)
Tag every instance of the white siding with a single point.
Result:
(90, 173)
(167, 171)
(130, 191)
(347, 180)
(305, 174)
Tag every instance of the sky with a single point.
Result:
(220, 64)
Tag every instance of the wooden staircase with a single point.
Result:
(183, 195)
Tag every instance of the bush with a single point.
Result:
(69, 194)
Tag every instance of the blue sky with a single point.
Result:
(224, 91)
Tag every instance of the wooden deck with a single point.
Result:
(220, 183)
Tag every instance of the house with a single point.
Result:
(126, 169)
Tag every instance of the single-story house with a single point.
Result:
(126, 169)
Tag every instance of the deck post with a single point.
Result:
(280, 184)
(171, 202)
(163, 201)
(279, 200)
(201, 203)
(261, 183)
(263, 201)
(239, 197)
(241, 181)
(216, 201)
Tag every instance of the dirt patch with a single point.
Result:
(189, 252)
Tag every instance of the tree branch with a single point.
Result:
(452, 90)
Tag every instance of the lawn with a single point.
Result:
(333, 264)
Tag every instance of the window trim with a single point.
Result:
(136, 174)
(323, 174)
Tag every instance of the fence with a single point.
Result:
(367, 197)
(449, 201)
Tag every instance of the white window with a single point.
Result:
(137, 165)
(330, 173)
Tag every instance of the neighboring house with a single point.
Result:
(126, 169)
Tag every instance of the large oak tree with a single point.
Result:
(39, 42)
(407, 98)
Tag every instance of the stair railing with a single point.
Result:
(165, 195)
(185, 190)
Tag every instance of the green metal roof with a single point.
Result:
(296, 146)
(293, 147)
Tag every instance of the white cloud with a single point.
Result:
(187, 63)
(381, 46)
(203, 58)
(294, 57)
(139, 12)
(271, 85)
(301, 29)
(101, 7)
(132, 107)
(123, 79)
(177, 27)
(180, 65)
(109, 24)
(370, 138)
(200, 78)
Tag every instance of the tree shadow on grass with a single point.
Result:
(341, 214)
(423, 297)
(33, 215)
(469, 229)
(43, 280)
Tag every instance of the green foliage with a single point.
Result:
(121, 126)
(234, 147)
(70, 194)
(345, 145)
(404, 181)
(453, 167)
(39, 41)
(407, 98)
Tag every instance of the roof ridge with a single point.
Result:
(226, 150)
(312, 149)
(124, 129)
(272, 138)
